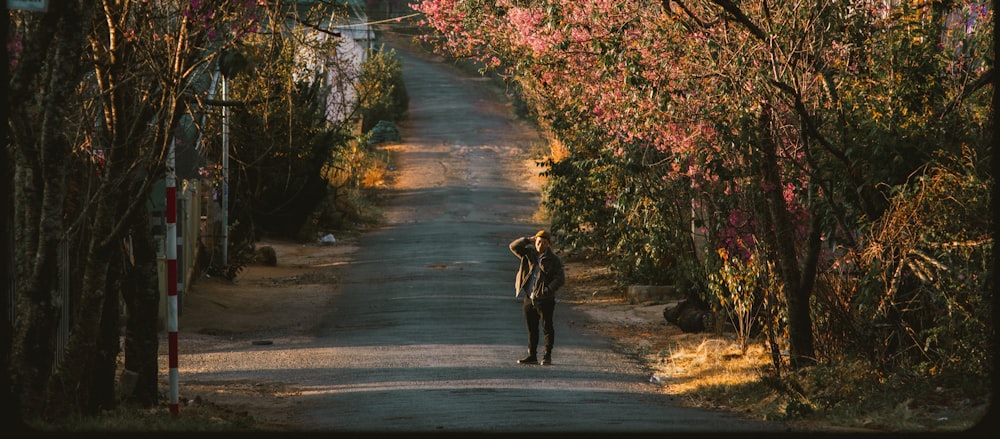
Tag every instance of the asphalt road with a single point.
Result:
(425, 332)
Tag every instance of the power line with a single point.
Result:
(387, 20)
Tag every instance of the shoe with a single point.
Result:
(546, 361)
(530, 359)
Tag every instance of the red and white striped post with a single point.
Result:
(171, 252)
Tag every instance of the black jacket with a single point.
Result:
(550, 269)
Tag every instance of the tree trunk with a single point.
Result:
(50, 62)
(37, 295)
(108, 342)
(73, 381)
(142, 299)
(35, 311)
(796, 290)
(6, 252)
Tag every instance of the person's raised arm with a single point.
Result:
(521, 245)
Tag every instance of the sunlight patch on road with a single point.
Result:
(559, 385)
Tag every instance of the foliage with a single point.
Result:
(380, 89)
(612, 203)
(926, 291)
(742, 291)
(789, 130)
(286, 142)
(285, 134)
(354, 173)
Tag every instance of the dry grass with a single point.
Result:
(709, 370)
(701, 361)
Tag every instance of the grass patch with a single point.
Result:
(709, 371)
(198, 417)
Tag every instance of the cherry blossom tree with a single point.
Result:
(776, 128)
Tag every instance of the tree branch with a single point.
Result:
(989, 77)
(742, 18)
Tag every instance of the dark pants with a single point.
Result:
(533, 311)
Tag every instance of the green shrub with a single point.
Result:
(381, 91)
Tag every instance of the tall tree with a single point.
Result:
(96, 95)
(42, 92)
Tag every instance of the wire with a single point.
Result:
(387, 20)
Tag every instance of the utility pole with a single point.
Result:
(225, 169)
(171, 253)
(231, 62)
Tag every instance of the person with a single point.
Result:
(539, 277)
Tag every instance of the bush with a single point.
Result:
(381, 91)
(923, 295)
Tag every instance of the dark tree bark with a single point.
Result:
(108, 343)
(142, 300)
(71, 386)
(50, 61)
(797, 289)
(6, 249)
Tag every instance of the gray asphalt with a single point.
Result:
(425, 332)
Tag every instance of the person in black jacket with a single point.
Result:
(539, 277)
